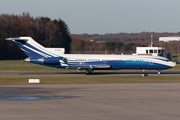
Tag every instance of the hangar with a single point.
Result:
(169, 38)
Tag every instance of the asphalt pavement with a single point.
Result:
(114, 101)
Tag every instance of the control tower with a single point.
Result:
(154, 51)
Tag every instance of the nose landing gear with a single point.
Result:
(159, 72)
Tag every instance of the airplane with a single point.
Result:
(55, 57)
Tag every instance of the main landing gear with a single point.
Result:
(89, 71)
(144, 74)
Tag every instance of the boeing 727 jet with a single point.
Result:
(55, 57)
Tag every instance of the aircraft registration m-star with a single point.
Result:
(55, 57)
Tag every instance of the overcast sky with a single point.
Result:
(103, 16)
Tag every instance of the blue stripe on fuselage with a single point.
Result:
(122, 64)
(140, 65)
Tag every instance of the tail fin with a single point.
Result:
(34, 50)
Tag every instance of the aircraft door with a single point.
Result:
(104, 61)
(150, 62)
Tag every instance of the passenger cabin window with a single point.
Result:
(150, 51)
(147, 51)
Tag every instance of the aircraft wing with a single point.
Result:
(102, 66)
(90, 66)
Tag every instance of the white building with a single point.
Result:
(154, 51)
(170, 38)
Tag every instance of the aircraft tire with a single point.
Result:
(88, 72)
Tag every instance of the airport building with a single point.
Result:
(169, 38)
(154, 51)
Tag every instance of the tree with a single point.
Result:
(110, 45)
(131, 46)
(63, 27)
(41, 29)
(119, 46)
(45, 20)
(77, 44)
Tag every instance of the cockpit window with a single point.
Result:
(167, 60)
(163, 59)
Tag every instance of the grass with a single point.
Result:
(176, 55)
(12, 66)
(18, 80)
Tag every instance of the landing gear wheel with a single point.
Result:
(159, 72)
(88, 71)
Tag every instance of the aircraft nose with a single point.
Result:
(173, 64)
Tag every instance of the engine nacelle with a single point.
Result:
(51, 61)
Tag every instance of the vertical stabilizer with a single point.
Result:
(33, 49)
